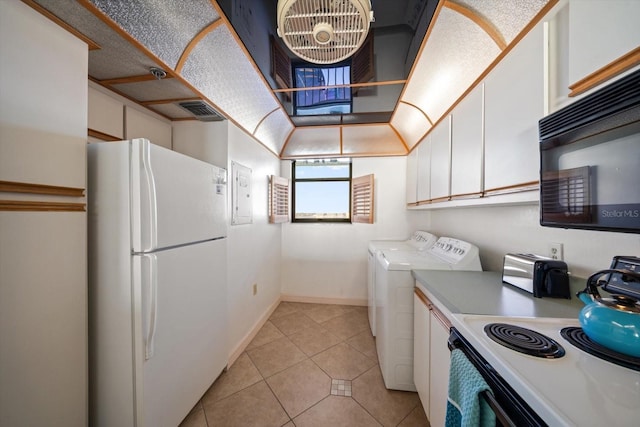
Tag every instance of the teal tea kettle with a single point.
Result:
(612, 322)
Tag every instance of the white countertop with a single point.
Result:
(576, 390)
(482, 292)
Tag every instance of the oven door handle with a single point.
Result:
(501, 415)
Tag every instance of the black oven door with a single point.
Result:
(510, 409)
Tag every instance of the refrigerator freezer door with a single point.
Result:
(182, 340)
(175, 199)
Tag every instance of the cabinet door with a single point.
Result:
(467, 140)
(141, 125)
(440, 361)
(424, 169)
(600, 31)
(412, 176)
(421, 321)
(514, 102)
(105, 114)
(441, 159)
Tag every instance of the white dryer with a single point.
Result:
(394, 285)
(419, 240)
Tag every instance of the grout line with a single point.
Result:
(206, 421)
(281, 404)
(307, 357)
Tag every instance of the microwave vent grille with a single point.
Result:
(612, 99)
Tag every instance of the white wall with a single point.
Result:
(43, 259)
(206, 141)
(254, 249)
(329, 261)
(515, 229)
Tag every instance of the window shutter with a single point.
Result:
(280, 65)
(278, 199)
(362, 69)
(362, 199)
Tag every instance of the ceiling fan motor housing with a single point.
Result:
(324, 31)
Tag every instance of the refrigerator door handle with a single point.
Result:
(150, 302)
(148, 190)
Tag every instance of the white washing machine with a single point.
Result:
(394, 302)
(419, 240)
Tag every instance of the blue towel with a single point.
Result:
(465, 408)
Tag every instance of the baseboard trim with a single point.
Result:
(323, 300)
(252, 333)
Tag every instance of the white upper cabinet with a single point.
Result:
(467, 141)
(141, 125)
(600, 32)
(441, 160)
(514, 102)
(424, 169)
(106, 114)
(412, 176)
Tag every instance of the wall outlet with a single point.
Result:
(255, 288)
(556, 251)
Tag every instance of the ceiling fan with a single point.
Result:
(324, 31)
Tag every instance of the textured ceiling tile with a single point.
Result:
(371, 140)
(219, 69)
(456, 54)
(274, 130)
(164, 27)
(116, 56)
(172, 110)
(508, 17)
(314, 141)
(156, 89)
(411, 123)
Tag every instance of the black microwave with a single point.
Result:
(590, 161)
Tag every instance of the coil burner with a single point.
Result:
(524, 340)
(577, 337)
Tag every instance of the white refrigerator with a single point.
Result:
(157, 283)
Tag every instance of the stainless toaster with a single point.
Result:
(536, 274)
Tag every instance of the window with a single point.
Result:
(331, 100)
(322, 190)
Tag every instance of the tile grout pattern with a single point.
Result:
(287, 374)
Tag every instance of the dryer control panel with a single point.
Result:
(454, 251)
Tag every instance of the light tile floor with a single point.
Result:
(296, 371)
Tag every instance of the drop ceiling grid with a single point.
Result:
(164, 27)
(456, 54)
(221, 71)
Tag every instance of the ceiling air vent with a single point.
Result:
(201, 110)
